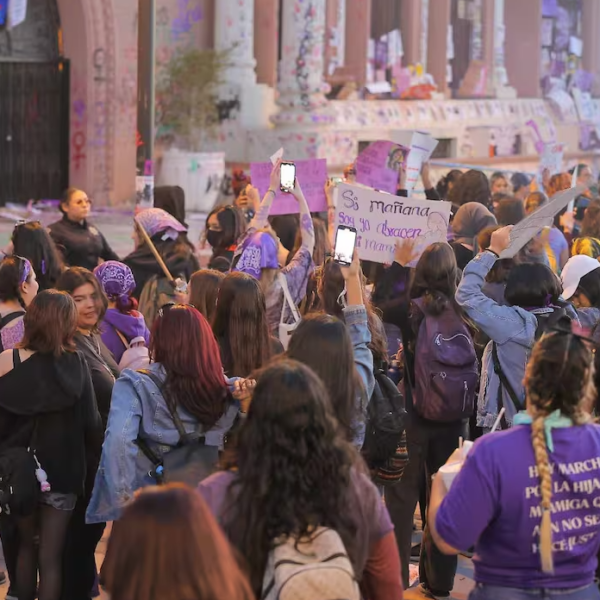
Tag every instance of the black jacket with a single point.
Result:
(177, 254)
(55, 394)
(80, 244)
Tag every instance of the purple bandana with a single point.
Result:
(116, 279)
(26, 271)
(260, 252)
(157, 220)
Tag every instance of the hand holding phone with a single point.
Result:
(345, 241)
(288, 177)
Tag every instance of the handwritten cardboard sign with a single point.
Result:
(531, 225)
(551, 158)
(382, 219)
(378, 165)
(312, 175)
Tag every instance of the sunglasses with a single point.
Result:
(167, 307)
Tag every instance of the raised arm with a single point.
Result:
(261, 217)
(306, 224)
(331, 225)
(500, 323)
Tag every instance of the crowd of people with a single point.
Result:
(269, 429)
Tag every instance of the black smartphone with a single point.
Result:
(287, 178)
(345, 241)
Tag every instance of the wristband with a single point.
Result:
(492, 252)
(271, 191)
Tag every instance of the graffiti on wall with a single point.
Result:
(78, 127)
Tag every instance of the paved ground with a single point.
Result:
(117, 228)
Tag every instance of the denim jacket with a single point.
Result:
(511, 327)
(356, 321)
(138, 408)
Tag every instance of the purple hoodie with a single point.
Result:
(131, 326)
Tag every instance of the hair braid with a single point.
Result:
(538, 439)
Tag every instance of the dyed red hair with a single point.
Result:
(168, 545)
(183, 343)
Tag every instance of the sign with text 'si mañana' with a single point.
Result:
(382, 219)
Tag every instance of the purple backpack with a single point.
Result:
(446, 368)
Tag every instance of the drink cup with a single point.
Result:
(449, 472)
(466, 448)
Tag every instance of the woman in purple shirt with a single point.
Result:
(528, 498)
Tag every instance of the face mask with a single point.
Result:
(214, 237)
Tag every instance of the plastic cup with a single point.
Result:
(449, 472)
(466, 448)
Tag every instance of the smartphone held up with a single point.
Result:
(287, 177)
(345, 241)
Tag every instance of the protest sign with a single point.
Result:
(378, 165)
(552, 158)
(312, 175)
(421, 147)
(531, 225)
(277, 156)
(383, 219)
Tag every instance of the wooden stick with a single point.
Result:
(153, 249)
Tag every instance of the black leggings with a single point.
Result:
(52, 530)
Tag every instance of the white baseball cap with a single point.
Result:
(576, 268)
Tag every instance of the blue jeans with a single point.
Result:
(493, 592)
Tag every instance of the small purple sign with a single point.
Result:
(550, 8)
(312, 176)
(378, 165)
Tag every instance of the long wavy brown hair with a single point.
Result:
(168, 545)
(240, 325)
(204, 290)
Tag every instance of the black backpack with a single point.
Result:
(191, 461)
(384, 448)
(545, 321)
(19, 487)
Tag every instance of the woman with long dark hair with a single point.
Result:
(204, 291)
(82, 539)
(294, 472)
(241, 328)
(337, 350)
(168, 546)
(430, 442)
(47, 403)
(527, 499)
(185, 359)
(32, 241)
(225, 225)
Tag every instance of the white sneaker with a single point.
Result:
(419, 592)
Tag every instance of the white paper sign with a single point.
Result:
(531, 225)
(421, 147)
(17, 11)
(277, 156)
(552, 158)
(382, 219)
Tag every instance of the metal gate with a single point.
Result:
(34, 130)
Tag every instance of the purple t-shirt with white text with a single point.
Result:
(494, 505)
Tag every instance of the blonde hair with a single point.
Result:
(559, 376)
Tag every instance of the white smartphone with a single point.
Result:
(345, 241)
(288, 176)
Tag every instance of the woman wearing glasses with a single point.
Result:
(185, 378)
(79, 242)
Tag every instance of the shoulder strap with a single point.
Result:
(504, 383)
(287, 298)
(122, 338)
(6, 319)
(16, 358)
(183, 435)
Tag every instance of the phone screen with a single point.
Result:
(345, 240)
(288, 176)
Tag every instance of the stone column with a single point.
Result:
(358, 32)
(301, 86)
(266, 40)
(411, 26)
(234, 28)
(591, 41)
(437, 43)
